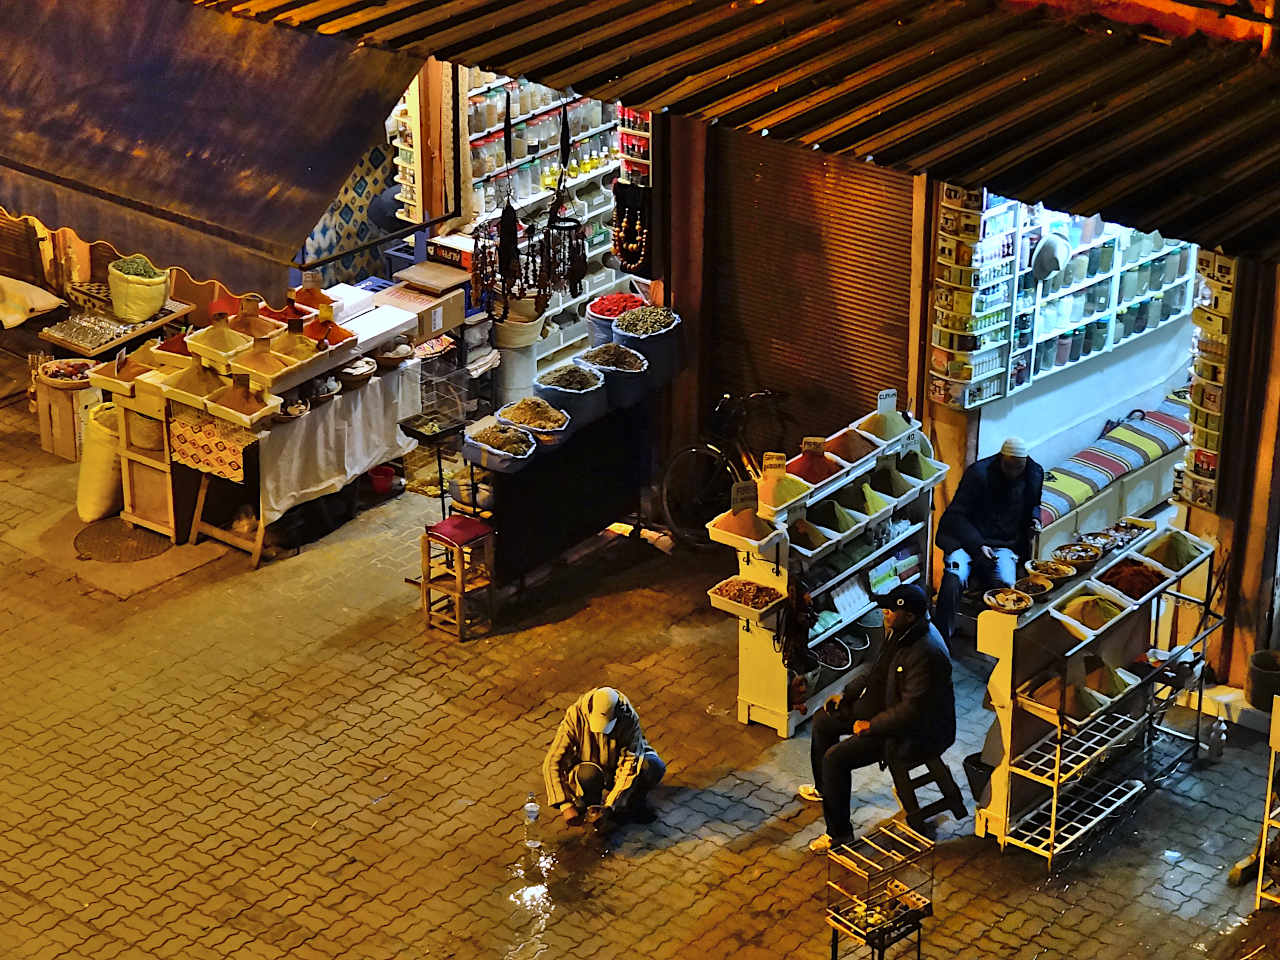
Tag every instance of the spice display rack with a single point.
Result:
(1212, 321)
(996, 331)
(763, 679)
(591, 192)
(1268, 886)
(1061, 776)
(880, 888)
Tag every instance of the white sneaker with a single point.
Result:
(810, 792)
(820, 843)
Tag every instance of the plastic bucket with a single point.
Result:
(624, 388)
(381, 478)
(582, 406)
(662, 350)
(1264, 679)
(601, 328)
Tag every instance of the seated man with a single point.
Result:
(903, 710)
(988, 528)
(599, 765)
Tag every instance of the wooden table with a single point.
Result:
(171, 311)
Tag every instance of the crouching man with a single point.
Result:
(599, 767)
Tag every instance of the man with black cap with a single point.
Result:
(989, 526)
(599, 765)
(903, 710)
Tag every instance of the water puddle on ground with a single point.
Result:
(547, 877)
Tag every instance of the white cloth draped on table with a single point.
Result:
(335, 442)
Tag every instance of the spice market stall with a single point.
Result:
(1081, 687)
(846, 519)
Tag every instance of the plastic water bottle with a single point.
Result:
(531, 811)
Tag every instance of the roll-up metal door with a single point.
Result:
(811, 276)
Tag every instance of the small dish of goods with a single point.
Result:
(1007, 600)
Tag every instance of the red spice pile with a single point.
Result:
(615, 304)
(813, 467)
(1132, 578)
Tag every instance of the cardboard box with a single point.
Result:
(453, 250)
(436, 315)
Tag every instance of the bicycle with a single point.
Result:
(698, 481)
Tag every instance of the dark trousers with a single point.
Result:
(834, 761)
(587, 782)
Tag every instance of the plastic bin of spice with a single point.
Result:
(853, 447)
(654, 332)
(893, 485)
(192, 386)
(105, 376)
(1136, 573)
(1103, 608)
(811, 541)
(625, 371)
(575, 389)
(216, 404)
(823, 472)
(779, 497)
(927, 472)
(832, 516)
(764, 542)
(862, 498)
(476, 450)
(889, 429)
(739, 586)
(217, 344)
(1177, 551)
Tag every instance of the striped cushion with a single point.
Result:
(1128, 447)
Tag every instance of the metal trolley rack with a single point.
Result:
(880, 888)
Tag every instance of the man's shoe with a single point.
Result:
(810, 792)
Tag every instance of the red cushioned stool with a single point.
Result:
(457, 567)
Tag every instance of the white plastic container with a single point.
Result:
(1203, 549)
(1079, 630)
(739, 610)
(762, 548)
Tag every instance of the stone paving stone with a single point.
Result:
(282, 763)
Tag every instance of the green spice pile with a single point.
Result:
(536, 413)
(645, 320)
(1091, 610)
(614, 356)
(136, 266)
(1172, 551)
(571, 377)
(507, 439)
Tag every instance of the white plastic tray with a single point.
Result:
(271, 407)
(762, 548)
(833, 482)
(1167, 576)
(739, 610)
(1079, 630)
(788, 510)
(1204, 548)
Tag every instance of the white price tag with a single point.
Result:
(744, 496)
(813, 445)
(775, 463)
(886, 401)
(437, 319)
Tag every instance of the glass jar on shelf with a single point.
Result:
(519, 145)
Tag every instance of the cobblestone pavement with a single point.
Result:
(281, 763)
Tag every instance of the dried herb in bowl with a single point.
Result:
(136, 266)
(570, 377)
(536, 413)
(645, 320)
(614, 356)
(507, 439)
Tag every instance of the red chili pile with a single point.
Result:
(615, 304)
(1132, 578)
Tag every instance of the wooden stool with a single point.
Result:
(457, 565)
(940, 776)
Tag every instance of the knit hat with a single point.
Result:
(602, 710)
(1013, 447)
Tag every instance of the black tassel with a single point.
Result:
(506, 130)
(509, 246)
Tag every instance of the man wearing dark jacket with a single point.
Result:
(904, 709)
(988, 528)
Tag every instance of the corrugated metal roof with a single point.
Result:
(1087, 116)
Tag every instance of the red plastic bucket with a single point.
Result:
(381, 478)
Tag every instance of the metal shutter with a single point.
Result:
(810, 278)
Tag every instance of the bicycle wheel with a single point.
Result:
(695, 488)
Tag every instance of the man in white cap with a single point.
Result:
(599, 766)
(988, 528)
